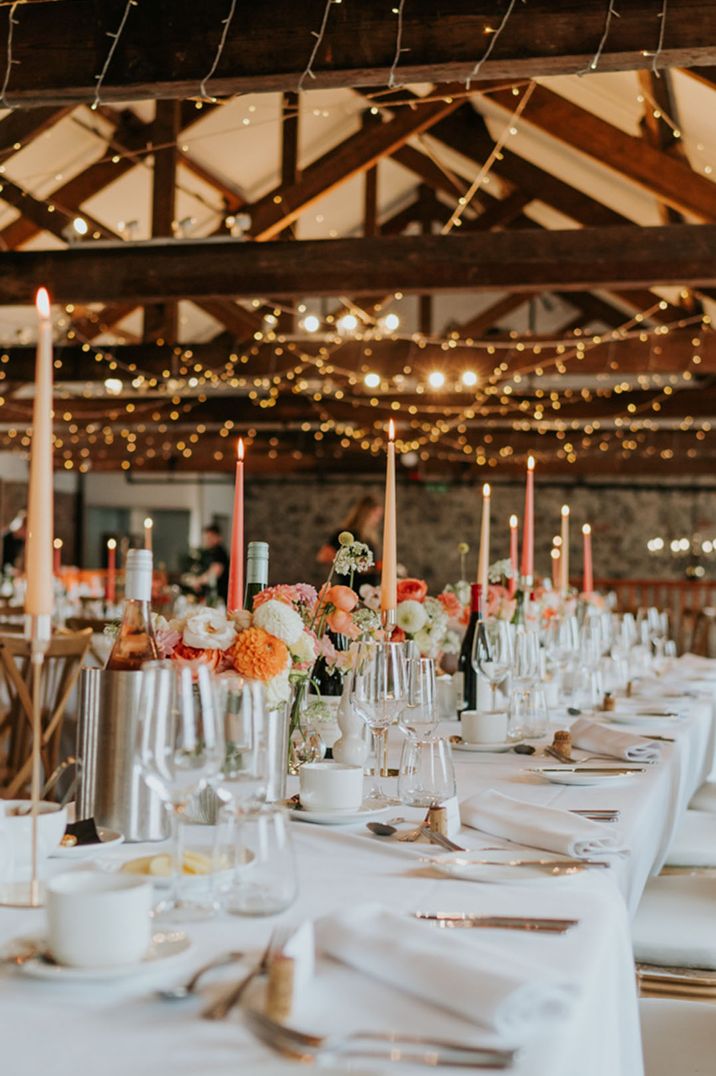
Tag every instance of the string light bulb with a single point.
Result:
(436, 379)
(311, 324)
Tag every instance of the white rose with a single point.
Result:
(410, 616)
(304, 648)
(427, 643)
(280, 620)
(208, 630)
(278, 690)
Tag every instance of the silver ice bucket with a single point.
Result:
(112, 789)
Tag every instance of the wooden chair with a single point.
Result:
(59, 676)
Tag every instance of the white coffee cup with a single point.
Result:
(484, 726)
(331, 786)
(98, 920)
(17, 824)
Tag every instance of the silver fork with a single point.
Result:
(220, 1009)
(390, 1046)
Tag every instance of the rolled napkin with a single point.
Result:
(538, 826)
(591, 736)
(479, 980)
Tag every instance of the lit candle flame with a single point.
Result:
(42, 303)
(565, 510)
(111, 543)
(57, 543)
(530, 463)
(391, 430)
(513, 522)
(240, 449)
(149, 522)
(586, 529)
(486, 490)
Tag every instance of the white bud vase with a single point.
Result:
(351, 748)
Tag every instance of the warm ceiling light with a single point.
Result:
(371, 381)
(436, 379)
(311, 324)
(113, 385)
(348, 323)
(469, 378)
(80, 225)
(391, 322)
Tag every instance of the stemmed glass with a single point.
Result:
(492, 652)
(420, 716)
(180, 748)
(427, 773)
(379, 691)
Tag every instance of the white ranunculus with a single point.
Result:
(304, 648)
(410, 616)
(208, 630)
(278, 690)
(280, 620)
(427, 643)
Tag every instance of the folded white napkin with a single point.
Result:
(537, 826)
(590, 736)
(473, 977)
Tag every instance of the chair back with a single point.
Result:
(61, 667)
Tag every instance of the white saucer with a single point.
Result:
(626, 717)
(340, 818)
(108, 838)
(499, 868)
(589, 775)
(495, 747)
(165, 947)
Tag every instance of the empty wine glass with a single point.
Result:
(427, 774)
(526, 661)
(379, 691)
(420, 716)
(492, 652)
(180, 748)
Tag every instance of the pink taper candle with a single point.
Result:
(484, 559)
(528, 527)
(512, 584)
(554, 554)
(57, 555)
(148, 528)
(110, 592)
(389, 570)
(564, 551)
(588, 584)
(40, 512)
(235, 599)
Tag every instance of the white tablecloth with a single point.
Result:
(120, 1028)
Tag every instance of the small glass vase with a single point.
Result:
(304, 739)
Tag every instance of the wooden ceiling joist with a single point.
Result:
(530, 260)
(166, 48)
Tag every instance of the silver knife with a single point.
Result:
(498, 922)
(577, 864)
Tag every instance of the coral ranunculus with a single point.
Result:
(342, 597)
(210, 657)
(415, 590)
(451, 604)
(258, 655)
(342, 624)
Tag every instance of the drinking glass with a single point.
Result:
(379, 691)
(420, 716)
(264, 880)
(526, 661)
(527, 711)
(427, 773)
(180, 749)
(243, 780)
(492, 652)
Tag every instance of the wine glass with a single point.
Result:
(180, 748)
(492, 653)
(379, 691)
(427, 773)
(526, 661)
(420, 716)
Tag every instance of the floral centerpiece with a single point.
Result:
(423, 619)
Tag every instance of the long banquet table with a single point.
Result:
(123, 1027)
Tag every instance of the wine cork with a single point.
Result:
(563, 741)
(438, 820)
(609, 702)
(279, 990)
(629, 690)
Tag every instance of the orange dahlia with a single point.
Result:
(258, 655)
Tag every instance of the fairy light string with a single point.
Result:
(226, 23)
(10, 62)
(115, 36)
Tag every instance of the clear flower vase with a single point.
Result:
(304, 740)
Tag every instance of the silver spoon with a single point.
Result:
(185, 990)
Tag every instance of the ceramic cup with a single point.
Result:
(484, 726)
(330, 786)
(98, 920)
(51, 822)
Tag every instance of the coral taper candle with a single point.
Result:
(389, 570)
(57, 555)
(588, 584)
(554, 554)
(484, 558)
(564, 551)
(512, 584)
(148, 527)
(40, 512)
(235, 599)
(528, 527)
(110, 590)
